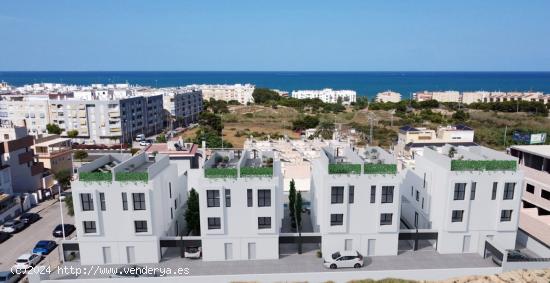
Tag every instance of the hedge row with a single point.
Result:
(95, 177)
(132, 176)
(256, 171)
(344, 168)
(220, 172)
(483, 165)
(372, 168)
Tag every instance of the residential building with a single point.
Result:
(441, 96)
(10, 207)
(327, 95)
(54, 152)
(534, 161)
(412, 140)
(184, 105)
(467, 195)
(241, 206)
(124, 205)
(469, 97)
(355, 200)
(184, 155)
(388, 96)
(238, 92)
(16, 151)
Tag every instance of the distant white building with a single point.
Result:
(238, 92)
(441, 96)
(468, 195)
(327, 95)
(388, 96)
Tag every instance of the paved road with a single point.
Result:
(24, 241)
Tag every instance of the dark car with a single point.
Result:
(29, 218)
(44, 247)
(58, 231)
(4, 236)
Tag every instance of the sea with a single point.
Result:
(364, 83)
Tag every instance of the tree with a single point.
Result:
(291, 202)
(460, 116)
(211, 137)
(326, 129)
(53, 129)
(69, 204)
(80, 155)
(192, 214)
(72, 134)
(264, 95)
(63, 178)
(306, 122)
(211, 120)
(299, 203)
(161, 138)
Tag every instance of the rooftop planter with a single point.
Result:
(256, 171)
(344, 168)
(132, 177)
(220, 172)
(95, 177)
(483, 165)
(373, 168)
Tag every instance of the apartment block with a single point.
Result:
(54, 152)
(355, 200)
(468, 195)
(388, 96)
(124, 205)
(241, 206)
(534, 161)
(238, 92)
(184, 105)
(327, 95)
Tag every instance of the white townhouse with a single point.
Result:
(123, 206)
(355, 200)
(241, 206)
(468, 195)
(327, 95)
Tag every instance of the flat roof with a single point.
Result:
(162, 148)
(540, 150)
(52, 142)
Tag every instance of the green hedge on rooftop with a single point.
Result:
(132, 176)
(483, 165)
(220, 172)
(344, 168)
(372, 168)
(256, 171)
(95, 177)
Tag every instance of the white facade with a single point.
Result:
(120, 221)
(235, 209)
(239, 92)
(388, 96)
(465, 207)
(355, 211)
(327, 95)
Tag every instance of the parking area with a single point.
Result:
(24, 241)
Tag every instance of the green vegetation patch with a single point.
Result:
(372, 168)
(132, 176)
(344, 168)
(95, 177)
(256, 171)
(220, 172)
(483, 165)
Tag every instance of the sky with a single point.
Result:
(282, 35)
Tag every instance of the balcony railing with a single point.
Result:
(132, 177)
(372, 168)
(95, 177)
(220, 172)
(256, 171)
(344, 168)
(483, 165)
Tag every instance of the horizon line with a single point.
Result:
(273, 71)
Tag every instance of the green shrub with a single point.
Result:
(344, 168)
(220, 172)
(95, 177)
(372, 168)
(256, 171)
(483, 165)
(132, 176)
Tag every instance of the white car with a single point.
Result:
(193, 252)
(144, 143)
(13, 226)
(344, 259)
(26, 261)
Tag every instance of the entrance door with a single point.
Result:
(251, 250)
(107, 255)
(466, 244)
(131, 254)
(228, 251)
(348, 245)
(372, 244)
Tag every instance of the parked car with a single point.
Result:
(344, 259)
(140, 137)
(29, 217)
(4, 236)
(513, 255)
(26, 261)
(58, 231)
(8, 277)
(44, 247)
(13, 226)
(193, 252)
(144, 143)
(132, 271)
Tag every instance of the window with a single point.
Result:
(89, 227)
(387, 194)
(102, 201)
(351, 194)
(171, 213)
(545, 194)
(494, 193)
(213, 198)
(124, 201)
(139, 201)
(372, 194)
(214, 223)
(227, 198)
(417, 195)
(508, 191)
(337, 195)
(140, 226)
(506, 215)
(473, 191)
(412, 191)
(170, 189)
(530, 188)
(264, 198)
(264, 222)
(336, 219)
(386, 219)
(457, 215)
(460, 191)
(422, 203)
(87, 202)
(249, 197)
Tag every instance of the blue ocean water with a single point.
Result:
(365, 83)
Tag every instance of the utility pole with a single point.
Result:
(505, 130)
